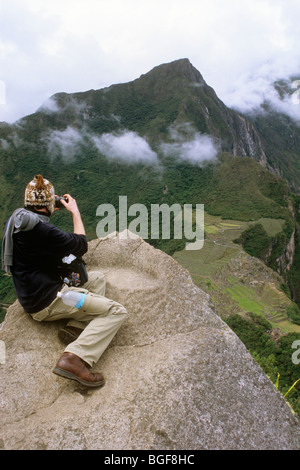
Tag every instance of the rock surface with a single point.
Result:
(177, 376)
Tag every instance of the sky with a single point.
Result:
(239, 46)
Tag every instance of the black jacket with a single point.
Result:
(36, 257)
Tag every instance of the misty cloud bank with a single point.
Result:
(250, 95)
(289, 103)
(66, 143)
(127, 146)
(185, 144)
(49, 106)
(197, 151)
(189, 145)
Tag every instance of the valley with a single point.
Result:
(236, 282)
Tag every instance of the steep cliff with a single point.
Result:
(177, 376)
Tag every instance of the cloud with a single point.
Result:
(4, 144)
(259, 47)
(189, 145)
(249, 95)
(127, 146)
(288, 102)
(65, 143)
(49, 106)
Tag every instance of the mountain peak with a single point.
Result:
(180, 67)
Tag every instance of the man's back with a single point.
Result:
(37, 254)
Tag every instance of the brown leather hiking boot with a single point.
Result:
(72, 367)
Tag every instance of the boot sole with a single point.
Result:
(69, 375)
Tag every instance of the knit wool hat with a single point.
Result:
(40, 193)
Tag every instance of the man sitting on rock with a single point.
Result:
(32, 250)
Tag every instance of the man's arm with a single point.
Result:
(72, 207)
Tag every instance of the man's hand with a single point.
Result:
(72, 207)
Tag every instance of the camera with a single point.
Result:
(58, 203)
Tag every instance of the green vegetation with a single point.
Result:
(241, 189)
(293, 276)
(293, 312)
(281, 138)
(255, 241)
(7, 294)
(238, 283)
(273, 358)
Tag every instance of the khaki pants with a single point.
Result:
(99, 316)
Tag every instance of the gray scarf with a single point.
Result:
(20, 220)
